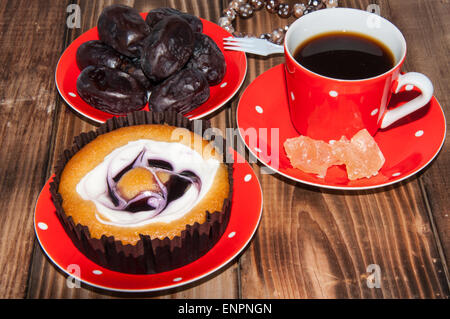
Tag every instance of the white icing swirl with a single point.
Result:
(93, 186)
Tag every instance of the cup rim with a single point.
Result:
(400, 61)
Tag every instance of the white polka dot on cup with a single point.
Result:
(42, 226)
(259, 109)
(177, 279)
(292, 96)
(232, 234)
(419, 133)
(224, 84)
(72, 94)
(409, 87)
(97, 272)
(396, 174)
(333, 93)
(247, 177)
(374, 112)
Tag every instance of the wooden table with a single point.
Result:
(311, 243)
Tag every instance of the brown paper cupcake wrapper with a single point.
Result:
(148, 255)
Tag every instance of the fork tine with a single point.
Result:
(252, 45)
(239, 40)
(231, 39)
(243, 45)
(235, 48)
(248, 50)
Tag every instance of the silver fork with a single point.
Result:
(252, 45)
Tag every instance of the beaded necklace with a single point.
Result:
(246, 8)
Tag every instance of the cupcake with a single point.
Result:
(144, 193)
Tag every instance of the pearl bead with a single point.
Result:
(284, 10)
(245, 11)
(278, 36)
(272, 6)
(331, 3)
(224, 21)
(234, 5)
(230, 13)
(298, 9)
(308, 9)
(257, 4)
(266, 36)
(317, 4)
(229, 28)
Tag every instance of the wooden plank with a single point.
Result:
(428, 47)
(30, 50)
(311, 242)
(48, 282)
(314, 243)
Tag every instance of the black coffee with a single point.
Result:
(345, 55)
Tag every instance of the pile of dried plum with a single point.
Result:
(166, 55)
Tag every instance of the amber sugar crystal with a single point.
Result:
(361, 155)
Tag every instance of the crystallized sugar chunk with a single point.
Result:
(308, 155)
(361, 155)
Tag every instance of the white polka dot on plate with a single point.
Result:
(333, 93)
(396, 174)
(232, 234)
(224, 84)
(292, 96)
(72, 94)
(247, 177)
(419, 133)
(97, 272)
(374, 112)
(177, 279)
(42, 226)
(259, 109)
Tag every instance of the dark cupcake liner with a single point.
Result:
(148, 255)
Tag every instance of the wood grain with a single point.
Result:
(46, 280)
(27, 106)
(311, 243)
(428, 47)
(324, 241)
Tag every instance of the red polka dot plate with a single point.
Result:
(408, 146)
(67, 73)
(244, 219)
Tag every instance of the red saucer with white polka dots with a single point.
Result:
(408, 146)
(67, 73)
(244, 219)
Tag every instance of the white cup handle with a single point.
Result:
(423, 84)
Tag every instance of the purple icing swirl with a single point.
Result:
(148, 200)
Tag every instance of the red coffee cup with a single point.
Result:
(326, 108)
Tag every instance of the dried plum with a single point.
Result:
(123, 28)
(167, 49)
(156, 15)
(133, 68)
(181, 92)
(208, 58)
(97, 53)
(111, 90)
